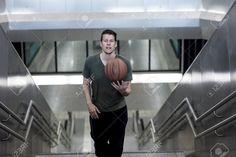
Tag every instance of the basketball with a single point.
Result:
(116, 69)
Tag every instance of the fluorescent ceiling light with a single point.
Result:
(216, 12)
(16, 81)
(57, 79)
(78, 79)
(157, 78)
(125, 10)
(21, 11)
(206, 77)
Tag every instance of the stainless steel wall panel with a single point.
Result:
(16, 90)
(209, 80)
(219, 5)
(2, 6)
(230, 28)
(197, 95)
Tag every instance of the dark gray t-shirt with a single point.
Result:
(104, 95)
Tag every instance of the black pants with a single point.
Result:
(108, 132)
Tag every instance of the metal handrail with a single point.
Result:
(24, 122)
(196, 118)
(196, 135)
(145, 134)
(62, 134)
(29, 109)
(24, 138)
(138, 125)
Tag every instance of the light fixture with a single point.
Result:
(78, 79)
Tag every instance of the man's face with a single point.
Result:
(108, 43)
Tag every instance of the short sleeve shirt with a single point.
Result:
(103, 94)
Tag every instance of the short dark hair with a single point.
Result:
(110, 32)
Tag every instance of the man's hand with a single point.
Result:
(93, 111)
(124, 87)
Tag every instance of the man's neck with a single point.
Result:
(106, 57)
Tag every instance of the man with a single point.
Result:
(105, 99)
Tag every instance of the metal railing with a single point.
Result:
(138, 124)
(41, 122)
(152, 130)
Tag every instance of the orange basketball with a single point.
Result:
(116, 69)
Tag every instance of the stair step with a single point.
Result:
(133, 154)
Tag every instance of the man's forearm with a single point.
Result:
(86, 91)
